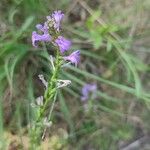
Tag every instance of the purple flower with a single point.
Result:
(37, 37)
(63, 44)
(45, 37)
(43, 28)
(86, 90)
(57, 16)
(73, 57)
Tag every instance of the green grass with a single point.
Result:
(108, 59)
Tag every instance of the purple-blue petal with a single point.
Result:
(63, 44)
(58, 16)
(87, 88)
(43, 28)
(73, 57)
(37, 38)
(39, 26)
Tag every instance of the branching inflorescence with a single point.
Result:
(50, 32)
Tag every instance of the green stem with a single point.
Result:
(51, 90)
(48, 96)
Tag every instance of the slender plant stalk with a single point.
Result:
(48, 97)
(51, 90)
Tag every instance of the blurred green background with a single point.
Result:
(113, 36)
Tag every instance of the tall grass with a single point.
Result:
(106, 60)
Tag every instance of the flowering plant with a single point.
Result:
(88, 93)
(50, 32)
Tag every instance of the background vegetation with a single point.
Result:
(113, 37)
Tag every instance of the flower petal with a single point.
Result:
(73, 57)
(37, 37)
(63, 44)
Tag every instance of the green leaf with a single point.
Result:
(96, 38)
(109, 46)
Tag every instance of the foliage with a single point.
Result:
(108, 59)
